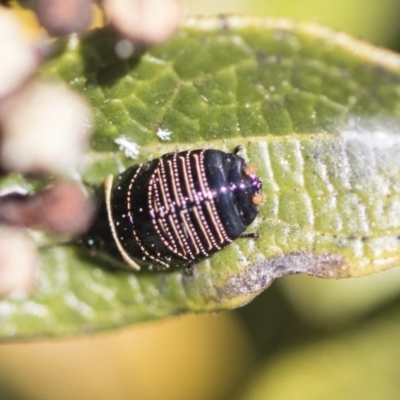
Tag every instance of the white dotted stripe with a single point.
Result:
(158, 212)
(210, 205)
(191, 231)
(174, 239)
(131, 217)
(162, 228)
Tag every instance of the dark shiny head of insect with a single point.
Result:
(245, 187)
(237, 190)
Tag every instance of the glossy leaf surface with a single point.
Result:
(317, 112)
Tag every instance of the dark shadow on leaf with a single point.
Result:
(102, 66)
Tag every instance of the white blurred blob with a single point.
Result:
(18, 58)
(148, 21)
(46, 128)
(19, 260)
(124, 48)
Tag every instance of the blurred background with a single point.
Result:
(304, 338)
(375, 21)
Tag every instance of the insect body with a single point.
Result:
(176, 209)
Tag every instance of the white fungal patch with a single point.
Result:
(164, 134)
(130, 148)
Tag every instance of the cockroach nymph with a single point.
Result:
(176, 209)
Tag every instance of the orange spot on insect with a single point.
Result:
(257, 199)
(250, 169)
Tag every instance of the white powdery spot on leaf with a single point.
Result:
(164, 134)
(372, 148)
(130, 148)
(376, 133)
(379, 140)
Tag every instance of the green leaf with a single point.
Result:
(318, 114)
